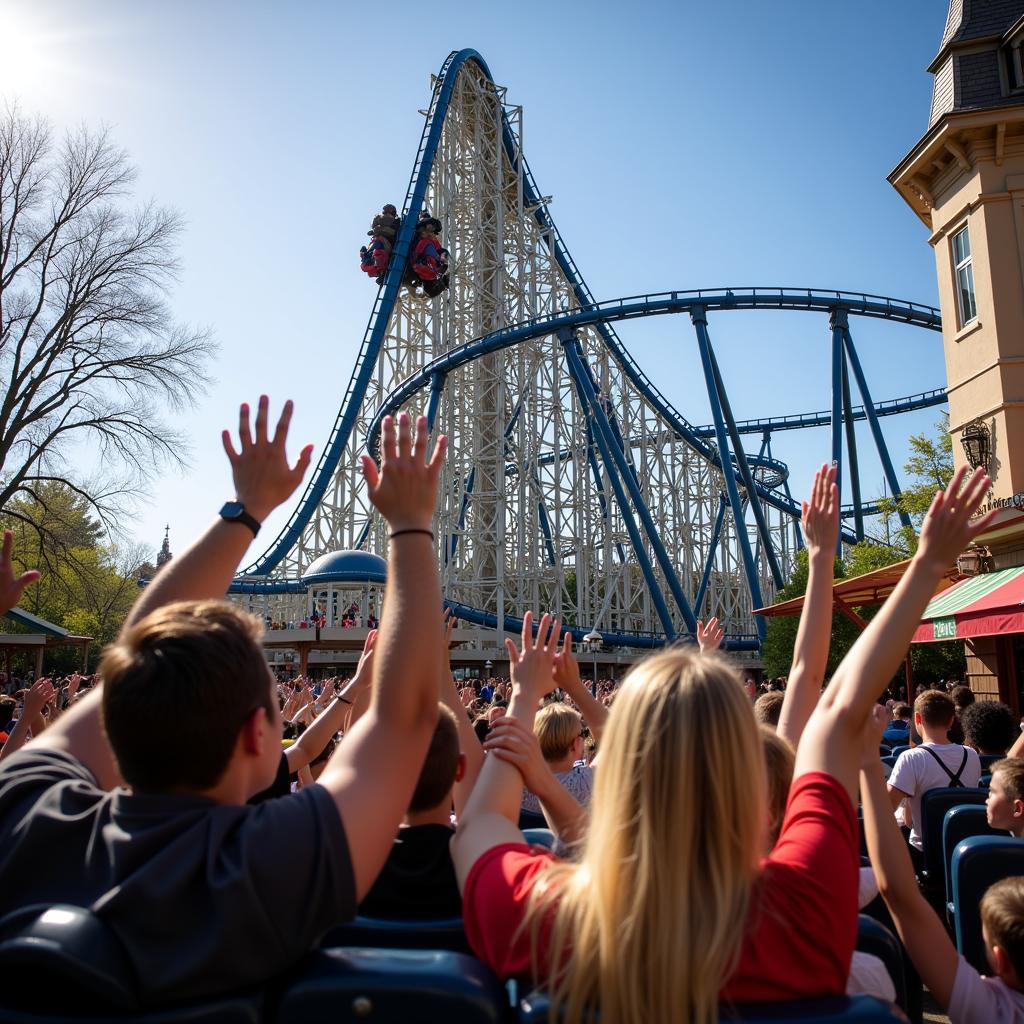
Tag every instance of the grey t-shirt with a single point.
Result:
(205, 898)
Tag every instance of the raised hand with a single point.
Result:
(948, 528)
(820, 513)
(37, 697)
(262, 475)
(709, 635)
(533, 667)
(404, 487)
(11, 586)
(567, 668)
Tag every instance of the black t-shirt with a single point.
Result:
(281, 786)
(205, 898)
(417, 881)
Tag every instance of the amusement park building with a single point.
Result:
(965, 180)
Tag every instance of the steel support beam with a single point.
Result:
(700, 324)
(585, 393)
(851, 451)
(876, 427)
(709, 564)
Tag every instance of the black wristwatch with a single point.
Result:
(234, 512)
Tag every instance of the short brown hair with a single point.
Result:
(1002, 917)
(902, 712)
(779, 762)
(177, 687)
(1011, 774)
(768, 707)
(557, 727)
(437, 776)
(962, 696)
(935, 708)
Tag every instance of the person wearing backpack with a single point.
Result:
(935, 764)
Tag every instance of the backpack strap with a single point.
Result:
(954, 777)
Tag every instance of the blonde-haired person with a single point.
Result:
(559, 731)
(1005, 805)
(671, 906)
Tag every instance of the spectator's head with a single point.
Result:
(902, 712)
(933, 715)
(989, 726)
(768, 707)
(189, 703)
(779, 760)
(443, 766)
(8, 705)
(962, 696)
(559, 731)
(1005, 804)
(677, 819)
(497, 710)
(1002, 925)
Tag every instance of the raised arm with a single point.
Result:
(469, 745)
(492, 814)
(831, 740)
(35, 698)
(567, 676)
(372, 775)
(263, 479)
(312, 742)
(820, 524)
(922, 932)
(11, 586)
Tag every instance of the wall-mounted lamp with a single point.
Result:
(977, 442)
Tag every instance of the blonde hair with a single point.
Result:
(557, 727)
(648, 924)
(1011, 773)
(1002, 916)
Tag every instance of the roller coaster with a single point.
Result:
(572, 483)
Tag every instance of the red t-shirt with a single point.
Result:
(802, 924)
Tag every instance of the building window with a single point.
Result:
(1014, 66)
(964, 272)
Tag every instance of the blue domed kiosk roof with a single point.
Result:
(346, 567)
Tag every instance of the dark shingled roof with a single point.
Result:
(972, 81)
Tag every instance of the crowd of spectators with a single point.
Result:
(704, 826)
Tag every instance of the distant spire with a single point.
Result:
(165, 551)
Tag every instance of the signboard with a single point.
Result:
(944, 629)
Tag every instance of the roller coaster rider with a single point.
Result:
(429, 263)
(373, 258)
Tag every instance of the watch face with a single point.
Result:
(232, 510)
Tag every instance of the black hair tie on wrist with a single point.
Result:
(399, 533)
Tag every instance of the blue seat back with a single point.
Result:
(540, 837)
(337, 986)
(899, 748)
(934, 805)
(874, 938)
(987, 760)
(383, 933)
(62, 963)
(962, 822)
(979, 862)
(839, 1010)
(527, 819)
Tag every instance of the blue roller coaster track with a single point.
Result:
(750, 481)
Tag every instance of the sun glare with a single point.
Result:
(30, 54)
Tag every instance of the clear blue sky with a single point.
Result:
(686, 145)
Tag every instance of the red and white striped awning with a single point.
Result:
(984, 605)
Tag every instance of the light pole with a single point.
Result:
(594, 642)
(488, 665)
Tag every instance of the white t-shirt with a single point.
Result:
(916, 771)
(980, 1000)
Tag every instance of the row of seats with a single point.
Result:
(63, 964)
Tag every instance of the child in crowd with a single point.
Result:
(969, 997)
(934, 764)
(1005, 805)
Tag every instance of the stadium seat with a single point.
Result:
(337, 986)
(382, 933)
(63, 963)
(986, 780)
(540, 837)
(840, 1010)
(884, 750)
(978, 862)
(962, 822)
(874, 938)
(934, 805)
(987, 760)
(888, 763)
(899, 748)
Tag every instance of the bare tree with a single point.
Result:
(91, 360)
